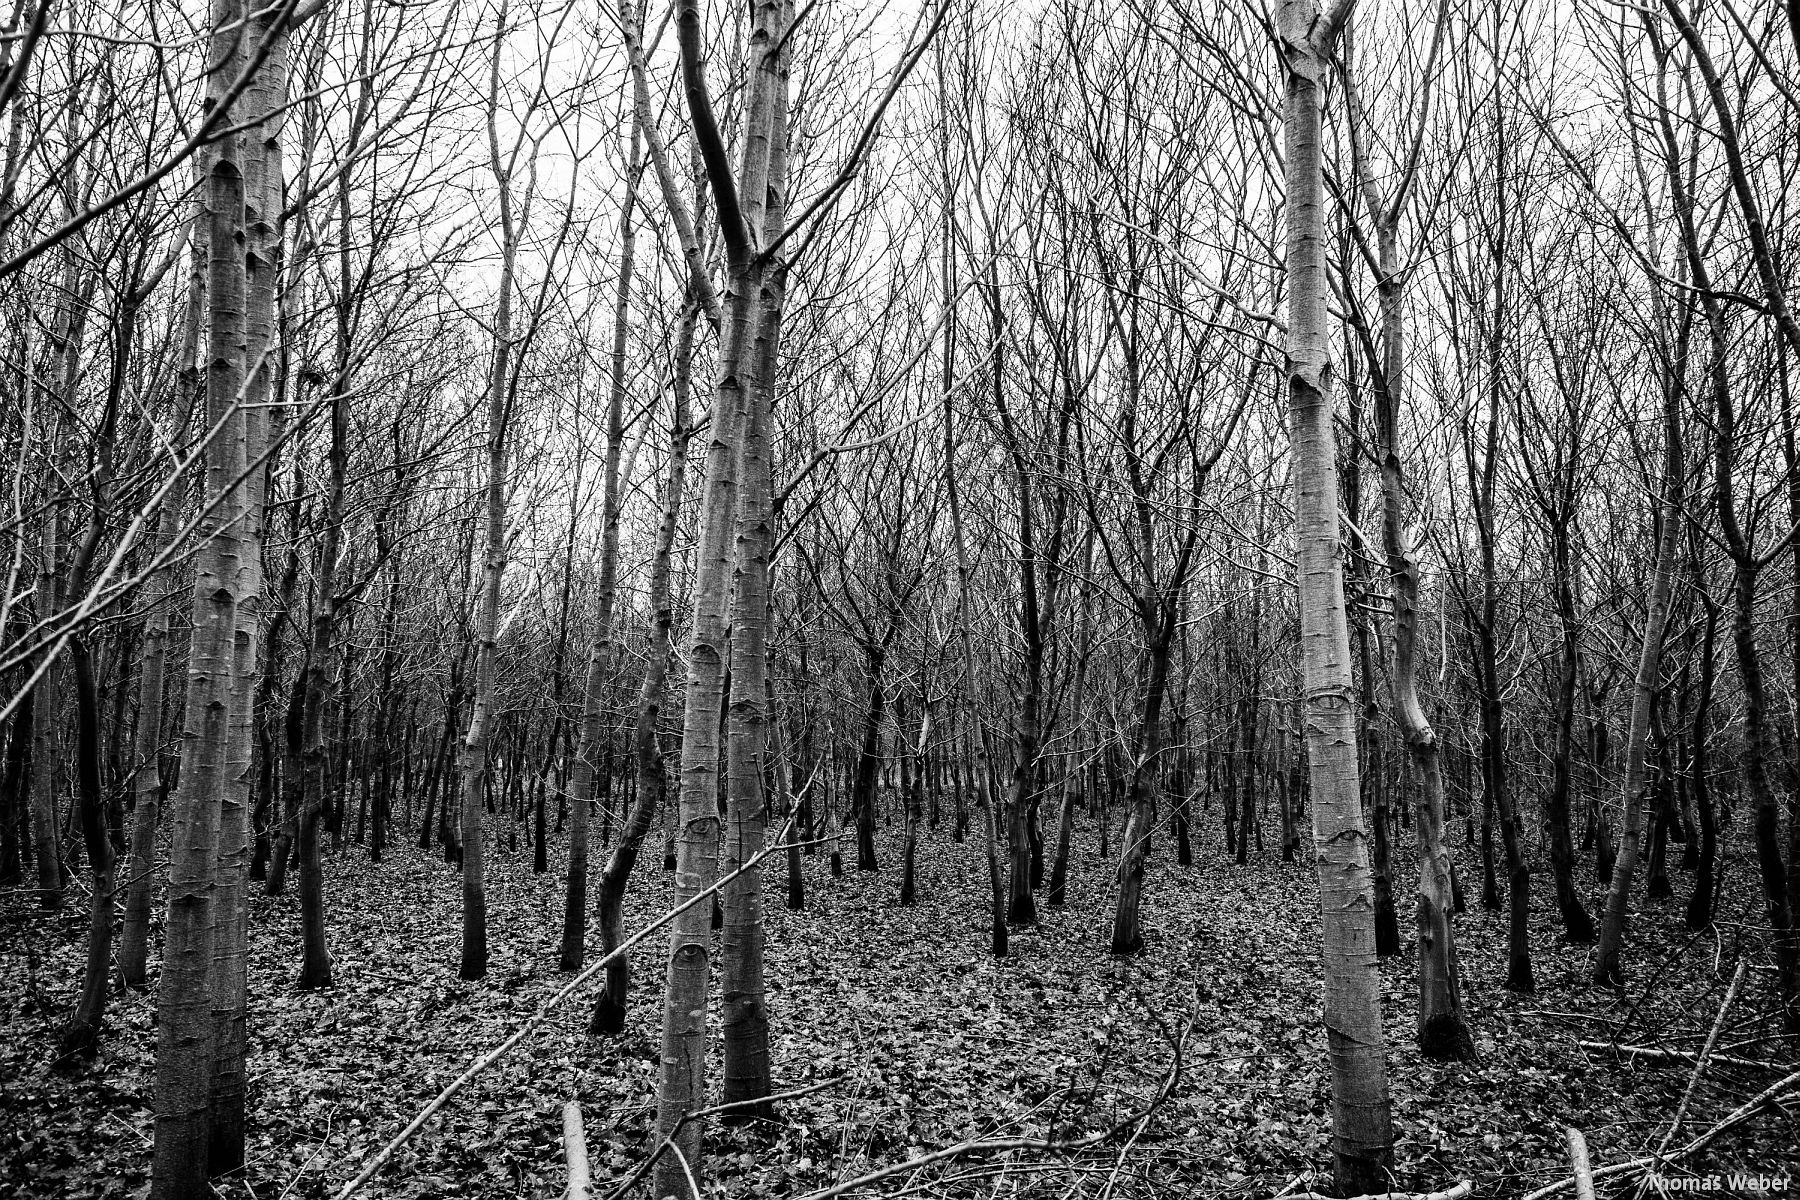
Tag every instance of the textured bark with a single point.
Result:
(745, 1014)
(682, 1087)
(1699, 914)
(1442, 1029)
(146, 776)
(264, 101)
(1362, 1131)
(1140, 820)
(186, 1038)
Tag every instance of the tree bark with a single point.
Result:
(1362, 1130)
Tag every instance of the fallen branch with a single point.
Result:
(497, 1053)
(1460, 1192)
(1776, 1091)
(581, 1181)
(1578, 1163)
(1737, 980)
(1658, 1053)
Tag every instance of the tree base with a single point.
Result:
(609, 1016)
(1445, 1038)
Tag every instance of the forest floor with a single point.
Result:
(930, 1041)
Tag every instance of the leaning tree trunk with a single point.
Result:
(1362, 1130)
(1443, 1029)
(600, 652)
(1577, 924)
(609, 1005)
(82, 1034)
(1670, 518)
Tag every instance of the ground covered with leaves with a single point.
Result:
(1202, 1060)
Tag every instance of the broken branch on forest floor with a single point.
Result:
(1657, 1052)
(1712, 1038)
(1460, 1192)
(1782, 1089)
(575, 1151)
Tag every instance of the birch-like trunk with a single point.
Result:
(1362, 1130)
(264, 101)
(472, 759)
(745, 1010)
(683, 1083)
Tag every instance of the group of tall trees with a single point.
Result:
(1376, 417)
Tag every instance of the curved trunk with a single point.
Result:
(1140, 820)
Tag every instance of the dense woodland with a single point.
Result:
(1191, 598)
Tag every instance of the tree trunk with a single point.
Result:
(600, 653)
(146, 779)
(186, 1036)
(1362, 1131)
(682, 1087)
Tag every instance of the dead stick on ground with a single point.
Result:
(1731, 992)
(575, 1152)
(1461, 1191)
(1578, 1163)
(493, 1056)
(1760, 1064)
(1776, 1091)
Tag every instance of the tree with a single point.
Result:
(1362, 1130)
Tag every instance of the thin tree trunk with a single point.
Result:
(600, 652)
(652, 775)
(1362, 1130)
